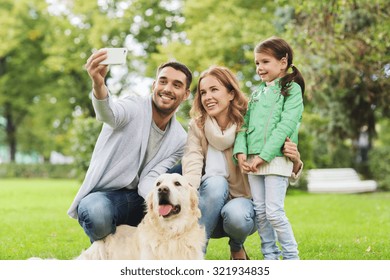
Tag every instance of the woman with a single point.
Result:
(225, 200)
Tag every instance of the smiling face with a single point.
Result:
(169, 90)
(268, 67)
(215, 99)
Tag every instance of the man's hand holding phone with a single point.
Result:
(97, 67)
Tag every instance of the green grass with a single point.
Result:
(327, 227)
(331, 227)
(34, 220)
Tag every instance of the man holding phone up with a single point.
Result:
(140, 140)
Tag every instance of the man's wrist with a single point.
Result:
(100, 92)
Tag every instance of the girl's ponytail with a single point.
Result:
(295, 76)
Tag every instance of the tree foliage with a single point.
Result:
(21, 74)
(346, 63)
(340, 46)
(43, 83)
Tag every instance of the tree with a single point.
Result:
(346, 65)
(20, 76)
(219, 33)
(42, 80)
(347, 62)
(339, 47)
(222, 33)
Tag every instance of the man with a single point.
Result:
(140, 140)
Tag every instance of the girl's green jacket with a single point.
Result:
(270, 118)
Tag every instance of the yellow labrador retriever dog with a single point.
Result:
(169, 230)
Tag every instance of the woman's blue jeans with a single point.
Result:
(100, 212)
(221, 216)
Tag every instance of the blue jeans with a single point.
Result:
(234, 218)
(100, 212)
(268, 194)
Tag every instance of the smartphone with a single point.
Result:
(115, 56)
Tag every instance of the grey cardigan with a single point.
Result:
(121, 147)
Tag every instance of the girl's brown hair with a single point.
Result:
(238, 105)
(279, 49)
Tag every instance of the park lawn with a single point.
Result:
(330, 227)
(327, 226)
(34, 219)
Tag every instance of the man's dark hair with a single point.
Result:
(180, 67)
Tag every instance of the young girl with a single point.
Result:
(274, 113)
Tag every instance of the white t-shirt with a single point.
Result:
(216, 164)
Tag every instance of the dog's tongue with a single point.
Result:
(164, 210)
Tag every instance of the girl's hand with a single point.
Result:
(242, 163)
(256, 162)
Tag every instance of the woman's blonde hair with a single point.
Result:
(238, 105)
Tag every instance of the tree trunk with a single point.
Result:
(11, 131)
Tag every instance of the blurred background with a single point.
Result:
(342, 48)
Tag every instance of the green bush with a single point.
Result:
(379, 167)
(84, 134)
(37, 170)
(318, 148)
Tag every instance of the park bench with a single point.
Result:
(338, 180)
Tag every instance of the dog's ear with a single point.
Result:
(149, 201)
(194, 200)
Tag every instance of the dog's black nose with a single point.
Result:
(163, 190)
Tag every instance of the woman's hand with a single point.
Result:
(290, 150)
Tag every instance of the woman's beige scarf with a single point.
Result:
(224, 142)
(221, 140)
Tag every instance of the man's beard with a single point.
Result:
(164, 111)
